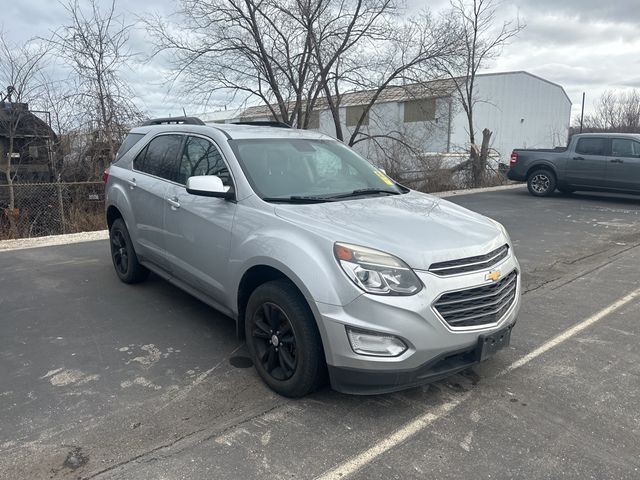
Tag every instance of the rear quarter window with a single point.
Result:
(128, 144)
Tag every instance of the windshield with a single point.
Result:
(303, 169)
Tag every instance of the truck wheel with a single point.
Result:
(541, 182)
(283, 339)
(124, 256)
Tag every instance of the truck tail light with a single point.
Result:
(514, 159)
(105, 176)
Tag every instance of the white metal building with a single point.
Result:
(522, 110)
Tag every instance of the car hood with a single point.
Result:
(418, 228)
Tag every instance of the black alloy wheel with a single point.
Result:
(283, 339)
(125, 260)
(119, 253)
(274, 341)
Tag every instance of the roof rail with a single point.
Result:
(264, 123)
(174, 120)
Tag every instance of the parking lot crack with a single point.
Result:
(144, 456)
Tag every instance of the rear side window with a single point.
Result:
(128, 143)
(202, 157)
(625, 148)
(160, 157)
(592, 146)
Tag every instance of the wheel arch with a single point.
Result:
(112, 215)
(542, 165)
(118, 206)
(260, 273)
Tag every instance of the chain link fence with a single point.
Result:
(55, 208)
(51, 208)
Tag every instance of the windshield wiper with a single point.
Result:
(297, 199)
(365, 191)
(329, 198)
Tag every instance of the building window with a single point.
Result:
(423, 110)
(354, 114)
(33, 152)
(314, 120)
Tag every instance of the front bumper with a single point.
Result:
(373, 382)
(435, 350)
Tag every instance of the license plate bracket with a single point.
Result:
(488, 345)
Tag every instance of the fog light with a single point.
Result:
(376, 344)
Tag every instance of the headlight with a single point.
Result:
(376, 272)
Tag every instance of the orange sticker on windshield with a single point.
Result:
(383, 177)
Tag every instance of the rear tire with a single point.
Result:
(125, 260)
(283, 339)
(541, 182)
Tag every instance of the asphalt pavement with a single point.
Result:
(103, 380)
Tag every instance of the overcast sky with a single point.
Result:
(583, 45)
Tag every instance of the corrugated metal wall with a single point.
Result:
(521, 110)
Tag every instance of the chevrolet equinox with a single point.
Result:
(328, 266)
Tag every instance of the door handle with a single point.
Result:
(578, 158)
(132, 183)
(616, 160)
(175, 204)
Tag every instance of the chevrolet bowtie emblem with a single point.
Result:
(493, 276)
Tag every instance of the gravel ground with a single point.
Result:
(51, 240)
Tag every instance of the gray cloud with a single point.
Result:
(584, 45)
(586, 10)
(558, 31)
(580, 44)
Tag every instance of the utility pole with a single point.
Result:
(582, 113)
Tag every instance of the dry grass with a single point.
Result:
(83, 220)
(53, 209)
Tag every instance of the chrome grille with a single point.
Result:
(470, 264)
(480, 305)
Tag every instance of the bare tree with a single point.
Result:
(616, 111)
(60, 101)
(409, 49)
(296, 56)
(20, 69)
(94, 44)
(255, 48)
(483, 38)
(340, 33)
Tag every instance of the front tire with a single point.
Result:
(283, 339)
(125, 260)
(541, 182)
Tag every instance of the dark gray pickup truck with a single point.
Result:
(591, 161)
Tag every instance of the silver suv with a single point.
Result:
(327, 265)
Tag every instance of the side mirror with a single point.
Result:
(208, 186)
